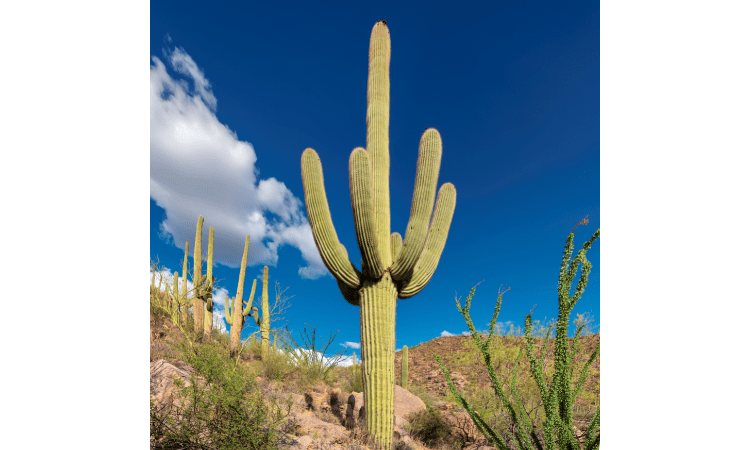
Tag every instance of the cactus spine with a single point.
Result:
(404, 367)
(197, 263)
(208, 317)
(391, 268)
(236, 315)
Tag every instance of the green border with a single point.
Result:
(674, 149)
(75, 185)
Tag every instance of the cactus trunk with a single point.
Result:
(197, 263)
(377, 314)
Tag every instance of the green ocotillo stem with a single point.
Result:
(208, 321)
(184, 299)
(391, 267)
(237, 314)
(197, 263)
(404, 366)
(266, 321)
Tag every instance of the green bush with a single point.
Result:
(227, 412)
(428, 426)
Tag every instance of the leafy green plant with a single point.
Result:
(557, 398)
(429, 427)
(391, 268)
(225, 411)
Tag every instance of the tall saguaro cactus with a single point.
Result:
(208, 320)
(184, 299)
(263, 321)
(197, 263)
(391, 268)
(236, 315)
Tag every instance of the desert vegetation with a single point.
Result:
(260, 393)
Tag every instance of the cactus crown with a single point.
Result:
(413, 261)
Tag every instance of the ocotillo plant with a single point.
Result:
(197, 263)
(391, 268)
(207, 291)
(557, 398)
(404, 366)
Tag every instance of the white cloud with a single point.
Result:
(354, 345)
(465, 333)
(446, 333)
(199, 166)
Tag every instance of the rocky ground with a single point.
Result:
(326, 417)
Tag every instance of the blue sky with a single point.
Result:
(238, 94)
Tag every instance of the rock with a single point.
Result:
(322, 398)
(163, 374)
(310, 425)
(404, 404)
(300, 443)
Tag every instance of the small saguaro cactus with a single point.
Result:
(184, 300)
(391, 268)
(236, 315)
(263, 321)
(404, 366)
(197, 263)
(208, 317)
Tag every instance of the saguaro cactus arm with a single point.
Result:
(361, 188)
(378, 119)
(425, 185)
(256, 316)
(438, 234)
(319, 215)
(396, 244)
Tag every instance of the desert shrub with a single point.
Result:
(429, 427)
(276, 366)
(352, 381)
(228, 411)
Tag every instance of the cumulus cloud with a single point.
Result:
(199, 166)
(446, 333)
(465, 333)
(354, 345)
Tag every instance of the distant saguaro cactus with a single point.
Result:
(197, 263)
(184, 305)
(236, 315)
(404, 366)
(391, 268)
(263, 320)
(208, 294)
